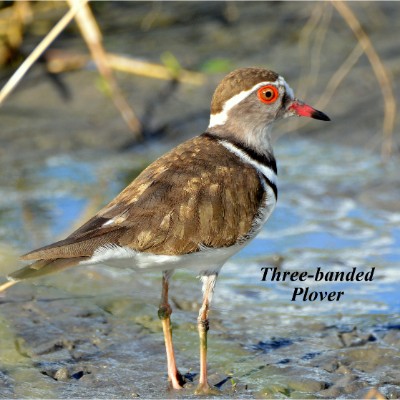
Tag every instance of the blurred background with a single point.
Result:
(129, 80)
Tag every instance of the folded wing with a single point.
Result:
(197, 195)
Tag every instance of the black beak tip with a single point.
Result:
(320, 115)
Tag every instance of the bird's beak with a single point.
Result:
(304, 110)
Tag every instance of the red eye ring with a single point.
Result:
(268, 94)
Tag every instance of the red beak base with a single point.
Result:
(304, 110)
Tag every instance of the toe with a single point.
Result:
(205, 388)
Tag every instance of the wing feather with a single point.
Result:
(199, 194)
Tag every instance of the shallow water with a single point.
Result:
(321, 219)
(328, 216)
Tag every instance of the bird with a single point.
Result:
(194, 207)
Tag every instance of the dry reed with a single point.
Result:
(381, 73)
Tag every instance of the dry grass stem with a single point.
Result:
(93, 38)
(6, 285)
(380, 71)
(336, 79)
(304, 43)
(316, 49)
(38, 51)
(339, 76)
(58, 61)
(151, 70)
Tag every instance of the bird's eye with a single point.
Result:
(268, 94)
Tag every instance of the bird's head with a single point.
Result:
(249, 100)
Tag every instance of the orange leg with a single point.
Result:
(203, 326)
(164, 313)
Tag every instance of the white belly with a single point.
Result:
(207, 259)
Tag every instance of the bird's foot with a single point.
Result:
(205, 388)
(177, 381)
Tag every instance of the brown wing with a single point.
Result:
(197, 194)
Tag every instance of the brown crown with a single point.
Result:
(237, 81)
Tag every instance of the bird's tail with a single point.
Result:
(39, 268)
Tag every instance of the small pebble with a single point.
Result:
(62, 374)
(307, 385)
(355, 338)
(330, 366)
(392, 338)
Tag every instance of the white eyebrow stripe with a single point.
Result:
(289, 90)
(222, 117)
